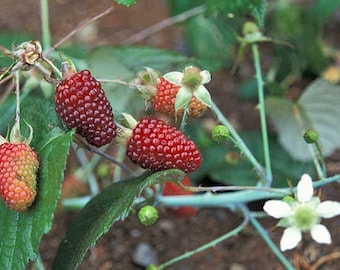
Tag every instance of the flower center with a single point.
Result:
(192, 78)
(305, 217)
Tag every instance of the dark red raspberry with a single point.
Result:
(157, 146)
(81, 103)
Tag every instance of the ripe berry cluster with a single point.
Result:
(157, 146)
(81, 103)
(18, 174)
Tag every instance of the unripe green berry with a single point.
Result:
(249, 28)
(148, 215)
(220, 133)
(152, 267)
(311, 136)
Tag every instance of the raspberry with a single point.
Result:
(157, 146)
(18, 175)
(172, 189)
(81, 103)
(164, 100)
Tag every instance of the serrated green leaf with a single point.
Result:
(21, 233)
(211, 41)
(318, 109)
(112, 204)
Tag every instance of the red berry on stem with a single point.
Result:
(82, 104)
(18, 175)
(172, 189)
(157, 146)
(164, 100)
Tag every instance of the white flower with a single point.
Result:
(302, 215)
(191, 82)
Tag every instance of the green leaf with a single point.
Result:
(318, 108)
(126, 2)
(223, 162)
(21, 233)
(211, 40)
(256, 8)
(111, 205)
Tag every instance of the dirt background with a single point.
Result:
(170, 236)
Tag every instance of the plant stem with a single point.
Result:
(270, 243)
(185, 116)
(261, 106)
(321, 160)
(45, 24)
(207, 245)
(240, 143)
(230, 199)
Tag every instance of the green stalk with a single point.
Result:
(261, 106)
(185, 116)
(207, 245)
(230, 199)
(321, 160)
(240, 143)
(270, 243)
(45, 22)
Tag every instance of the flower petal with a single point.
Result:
(206, 77)
(290, 238)
(277, 208)
(174, 77)
(202, 94)
(305, 188)
(320, 234)
(328, 209)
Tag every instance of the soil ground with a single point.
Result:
(170, 236)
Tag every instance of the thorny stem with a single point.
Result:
(119, 81)
(104, 155)
(229, 199)
(163, 24)
(269, 242)
(264, 131)
(210, 244)
(74, 31)
(44, 13)
(240, 143)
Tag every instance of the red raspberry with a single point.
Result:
(164, 100)
(81, 103)
(172, 189)
(18, 175)
(157, 146)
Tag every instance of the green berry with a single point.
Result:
(311, 136)
(152, 267)
(148, 215)
(220, 133)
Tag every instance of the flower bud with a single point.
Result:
(310, 136)
(148, 215)
(220, 133)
